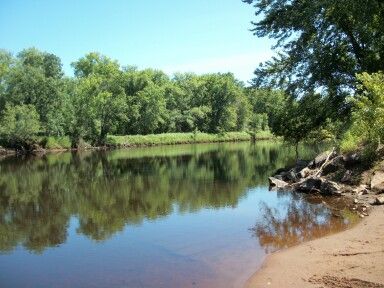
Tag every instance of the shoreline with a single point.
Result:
(352, 258)
(12, 152)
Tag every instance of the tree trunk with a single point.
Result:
(103, 135)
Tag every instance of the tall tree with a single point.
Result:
(100, 100)
(36, 79)
(95, 64)
(296, 119)
(321, 44)
(223, 93)
(19, 125)
(6, 62)
(152, 110)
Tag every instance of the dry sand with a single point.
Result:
(350, 259)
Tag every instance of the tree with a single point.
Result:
(100, 100)
(223, 92)
(321, 44)
(265, 101)
(19, 125)
(98, 109)
(188, 103)
(367, 114)
(105, 98)
(48, 63)
(36, 78)
(95, 63)
(258, 122)
(136, 83)
(152, 110)
(6, 63)
(296, 119)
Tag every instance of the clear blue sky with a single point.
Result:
(173, 35)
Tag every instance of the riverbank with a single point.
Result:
(59, 144)
(182, 138)
(350, 259)
(353, 259)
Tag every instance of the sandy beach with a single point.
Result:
(353, 259)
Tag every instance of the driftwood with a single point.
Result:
(318, 173)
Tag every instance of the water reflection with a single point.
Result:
(126, 218)
(300, 218)
(106, 191)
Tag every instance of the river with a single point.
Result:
(170, 216)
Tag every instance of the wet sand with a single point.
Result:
(353, 259)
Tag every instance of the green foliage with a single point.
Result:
(103, 99)
(349, 142)
(296, 119)
(56, 142)
(99, 100)
(223, 92)
(95, 64)
(35, 79)
(152, 110)
(6, 62)
(367, 114)
(179, 138)
(19, 125)
(258, 122)
(322, 44)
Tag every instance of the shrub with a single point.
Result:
(368, 112)
(349, 143)
(19, 126)
(56, 142)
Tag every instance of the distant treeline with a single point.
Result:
(37, 100)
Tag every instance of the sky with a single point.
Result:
(200, 36)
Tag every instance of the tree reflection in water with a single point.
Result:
(108, 191)
(299, 219)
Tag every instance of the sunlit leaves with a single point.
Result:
(368, 112)
(19, 124)
(320, 44)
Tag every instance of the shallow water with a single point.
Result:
(175, 216)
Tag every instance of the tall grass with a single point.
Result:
(181, 138)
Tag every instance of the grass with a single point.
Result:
(181, 138)
(64, 143)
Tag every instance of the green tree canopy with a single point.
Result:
(95, 63)
(321, 44)
(367, 114)
(19, 125)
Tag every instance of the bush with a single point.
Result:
(83, 145)
(56, 142)
(19, 126)
(349, 143)
(367, 129)
(368, 111)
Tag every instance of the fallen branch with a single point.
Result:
(325, 162)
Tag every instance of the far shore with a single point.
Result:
(350, 259)
(62, 144)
